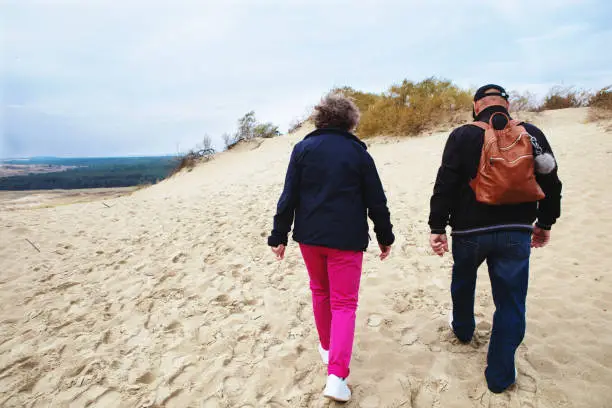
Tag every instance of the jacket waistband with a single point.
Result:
(491, 228)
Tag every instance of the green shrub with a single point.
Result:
(266, 130)
(248, 129)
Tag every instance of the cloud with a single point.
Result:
(142, 77)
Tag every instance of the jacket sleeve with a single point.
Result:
(448, 183)
(376, 203)
(549, 208)
(287, 203)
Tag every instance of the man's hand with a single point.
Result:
(279, 251)
(540, 237)
(439, 243)
(385, 250)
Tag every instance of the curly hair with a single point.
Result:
(336, 111)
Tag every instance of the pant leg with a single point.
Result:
(315, 259)
(509, 273)
(468, 255)
(344, 271)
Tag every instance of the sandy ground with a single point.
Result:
(19, 200)
(171, 297)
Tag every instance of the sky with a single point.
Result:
(134, 77)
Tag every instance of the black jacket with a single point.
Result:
(331, 186)
(454, 203)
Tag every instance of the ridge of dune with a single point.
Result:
(171, 297)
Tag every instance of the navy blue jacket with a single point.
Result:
(331, 186)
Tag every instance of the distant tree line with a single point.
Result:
(94, 173)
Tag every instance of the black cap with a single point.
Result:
(480, 93)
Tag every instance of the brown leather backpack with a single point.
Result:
(506, 170)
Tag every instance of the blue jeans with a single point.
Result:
(507, 255)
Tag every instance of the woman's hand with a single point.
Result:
(279, 251)
(385, 250)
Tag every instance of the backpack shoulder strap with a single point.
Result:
(479, 124)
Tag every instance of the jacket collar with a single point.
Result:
(339, 132)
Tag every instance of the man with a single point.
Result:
(501, 234)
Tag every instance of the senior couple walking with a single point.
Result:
(497, 188)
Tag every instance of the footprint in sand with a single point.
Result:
(370, 402)
(180, 257)
(526, 389)
(174, 326)
(222, 299)
(212, 402)
(427, 393)
(146, 378)
(409, 337)
(232, 386)
(165, 394)
(375, 320)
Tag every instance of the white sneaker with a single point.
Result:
(336, 389)
(450, 320)
(324, 354)
(515, 374)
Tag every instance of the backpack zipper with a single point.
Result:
(511, 145)
(492, 159)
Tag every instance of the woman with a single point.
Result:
(331, 186)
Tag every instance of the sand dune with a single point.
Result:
(35, 199)
(171, 297)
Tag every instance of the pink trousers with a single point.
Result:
(334, 282)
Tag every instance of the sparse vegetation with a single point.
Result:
(600, 102)
(189, 160)
(266, 130)
(560, 97)
(207, 143)
(227, 140)
(523, 102)
(410, 107)
(600, 105)
(249, 129)
(363, 100)
(246, 127)
(299, 121)
(295, 125)
(602, 99)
